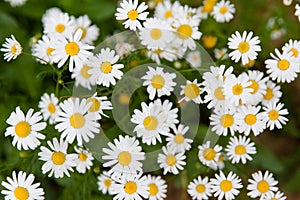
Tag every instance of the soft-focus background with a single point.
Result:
(23, 81)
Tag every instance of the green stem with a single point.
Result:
(38, 58)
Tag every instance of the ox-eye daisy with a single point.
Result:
(215, 96)
(274, 196)
(43, 50)
(221, 53)
(178, 139)
(216, 73)
(83, 77)
(223, 11)
(157, 187)
(57, 23)
(11, 48)
(209, 155)
(274, 113)
(273, 93)
(84, 160)
(194, 58)
(98, 105)
(89, 32)
(294, 47)
(49, 107)
(191, 91)
(166, 9)
(105, 183)
(200, 188)
(25, 129)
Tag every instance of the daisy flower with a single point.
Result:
(200, 188)
(15, 3)
(158, 81)
(84, 160)
(170, 53)
(194, 58)
(239, 149)
(227, 187)
(258, 85)
(21, 187)
(25, 129)
(178, 140)
(209, 155)
(98, 105)
(273, 93)
(292, 46)
(57, 23)
(104, 67)
(123, 49)
(223, 11)
(11, 48)
(215, 73)
(166, 9)
(282, 67)
(49, 14)
(201, 13)
(297, 12)
(74, 121)
(57, 160)
(287, 2)
(191, 91)
(132, 13)
(215, 96)
(131, 187)
(274, 113)
(83, 77)
(123, 156)
(105, 183)
(245, 47)
(43, 49)
(170, 161)
(157, 187)
(274, 196)
(221, 53)
(261, 185)
(49, 107)
(89, 32)
(71, 48)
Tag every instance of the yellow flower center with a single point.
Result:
(168, 14)
(82, 156)
(240, 150)
(72, 48)
(106, 67)
(227, 120)
(250, 63)
(283, 64)
(13, 49)
(153, 189)
(200, 188)
(124, 99)
(21, 193)
(209, 41)
(209, 154)
(22, 129)
(171, 160)
(150, 123)
(58, 158)
(107, 183)
(223, 10)
(83, 32)
(133, 15)
(124, 158)
(49, 51)
(157, 51)
(179, 139)
(209, 6)
(250, 119)
(155, 34)
(273, 115)
(226, 185)
(84, 71)
(130, 187)
(274, 198)
(237, 89)
(95, 104)
(60, 28)
(219, 93)
(77, 120)
(269, 94)
(51, 108)
(243, 47)
(254, 85)
(263, 186)
(158, 81)
(295, 52)
(191, 91)
(184, 31)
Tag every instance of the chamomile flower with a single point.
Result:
(83, 77)
(292, 46)
(166, 9)
(158, 81)
(261, 184)
(221, 53)
(11, 48)
(49, 107)
(223, 11)
(274, 196)
(74, 121)
(215, 96)
(275, 115)
(209, 155)
(194, 58)
(43, 49)
(84, 160)
(239, 149)
(178, 141)
(170, 161)
(57, 160)
(216, 73)
(72, 49)
(282, 67)
(201, 13)
(157, 187)
(192, 91)
(297, 12)
(49, 14)
(169, 53)
(58, 23)
(132, 13)
(89, 32)
(25, 129)
(245, 47)
(105, 183)
(200, 188)
(98, 105)
(104, 67)
(15, 3)
(123, 156)
(273, 93)
(258, 85)
(21, 187)
(226, 187)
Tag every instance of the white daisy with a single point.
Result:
(21, 187)
(297, 12)
(274, 196)
(157, 187)
(292, 46)
(170, 161)
(123, 49)
(274, 113)
(244, 47)
(194, 58)
(261, 185)
(57, 160)
(201, 13)
(170, 53)
(209, 155)
(158, 81)
(74, 121)
(215, 96)
(239, 149)
(15, 3)
(90, 32)
(132, 13)
(177, 140)
(84, 160)
(11, 48)
(25, 129)
(221, 53)
(227, 187)
(71, 48)
(104, 67)
(273, 94)
(216, 73)
(223, 11)
(200, 188)
(49, 14)
(191, 91)
(98, 105)
(49, 107)
(166, 9)
(105, 183)
(282, 67)
(43, 49)
(123, 156)
(83, 76)
(287, 2)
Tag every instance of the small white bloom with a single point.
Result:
(223, 11)
(209, 155)
(89, 32)
(49, 107)
(273, 93)
(43, 49)
(157, 187)
(11, 48)
(274, 113)
(178, 141)
(84, 160)
(105, 183)
(200, 188)
(191, 91)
